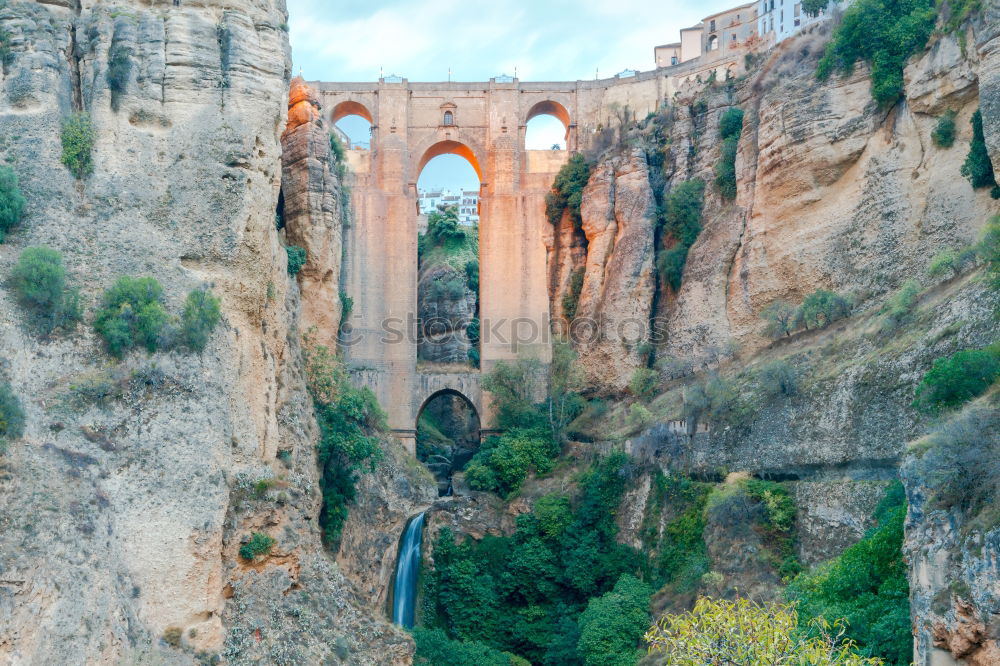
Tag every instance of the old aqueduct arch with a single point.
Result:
(486, 124)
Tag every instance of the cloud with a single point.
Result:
(421, 39)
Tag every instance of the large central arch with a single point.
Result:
(550, 108)
(449, 147)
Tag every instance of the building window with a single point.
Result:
(711, 25)
(673, 60)
(796, 10)
(734, 37)
(449, 118)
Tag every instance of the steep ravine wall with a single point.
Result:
(121, 522)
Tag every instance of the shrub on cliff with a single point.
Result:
(131, 314)
(504, 462)
(944, 132)
(77, 144)
(119, 71)
(349, 421)
(39, 280)
(977, 166)
(567, 191)
(867, 586)
(730, 128)
(200, 317)
(988, 250)
(259, 544)
(11, 201)
(956, 379)
(745, 632)
(679, 220)
(900, 306)
(11, 414)
(778, 378)
(644, 382)
(296, 259)
(571, 299)
(883, 33)
(822, 307)
(782, 319)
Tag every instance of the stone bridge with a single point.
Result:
(485, 123)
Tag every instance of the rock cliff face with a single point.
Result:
(122, 520)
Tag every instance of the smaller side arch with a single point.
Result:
(453, 392)
(550, 108)
(350, 108)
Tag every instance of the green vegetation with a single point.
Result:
(6, 52)
(944, 132)
(11, 416)
(778, 378)
(745, 632)
(958, 11)
(567, 191)
(200, 317)
(883, 33)
(679, 223)
(867, 586)
(119, 71)
(39, 281)
(956, 379)
(977, 166)
(11, 201)
(644, 382)
(571, 299)
(259, 544)
(613, 624)
(814, 7)
(730, 128)
(782, 319)
(131, 314)
(350, 420)
(961, 464)
(683, 557)
(502, 463)
(435, 648)
(541, 593)
(77, 144)
(296, 259)
(821, 308)
(989, 250)
(899, 308)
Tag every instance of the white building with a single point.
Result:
(467, 203)
(777, 20)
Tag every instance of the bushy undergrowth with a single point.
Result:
(867, 586)
(78, 144)
(11, 415)
(567, 191)
(119, 71)
(883, 33)
(131, 315)
(39, 281)
(11, 201)
(571, 299)
(349, 420)
(730, 128)
(679, 220)
(435, 648)
(551, 591)
(259, 544)
(978, 167)
(956, 379)
(944, 132)
(296, 259)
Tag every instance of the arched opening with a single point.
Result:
(448, 186)
(447, 436)
(449, 118)
(713, 43)
(547, 127)
(352, 125)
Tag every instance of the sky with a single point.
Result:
(539, 40)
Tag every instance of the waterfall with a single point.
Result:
(404, 591)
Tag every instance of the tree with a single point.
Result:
(679, 221)
(566, 380)
(944, 132)
(77, 144)
(11, 201)
(200, 317)
(781, 318)
(130, 314)
(814, 7)
(745, 632)
(612, 625)
(978, 167)
(39, 279)
(821, 308)
(567, 191)
(958, 378)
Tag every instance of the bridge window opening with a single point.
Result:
(448, 189)
(353, 132)
(449, 118)
(545, 132)
(547, 127)
(447, 437)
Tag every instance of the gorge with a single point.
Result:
(738, 340)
